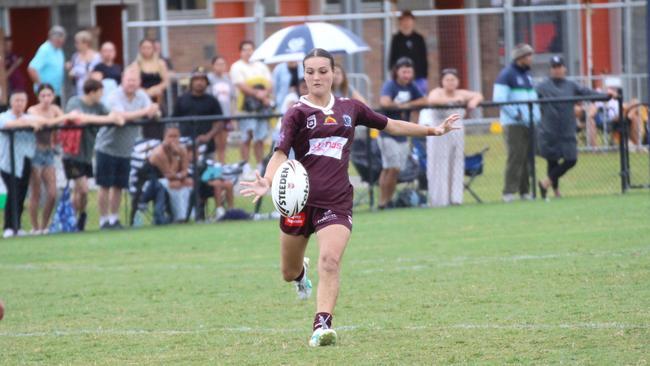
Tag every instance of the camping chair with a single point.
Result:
(141, 177)
(473, 168)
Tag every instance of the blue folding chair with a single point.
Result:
(473, 168)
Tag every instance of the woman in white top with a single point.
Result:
(446, 154)
(83, 61)
(222, 88)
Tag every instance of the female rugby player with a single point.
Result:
(320, 129)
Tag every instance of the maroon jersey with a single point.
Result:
(321, 138)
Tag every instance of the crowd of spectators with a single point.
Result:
(114, 95)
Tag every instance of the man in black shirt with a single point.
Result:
(108, 67)
(197, 102)
(409, 43)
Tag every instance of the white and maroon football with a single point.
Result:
(290, 188)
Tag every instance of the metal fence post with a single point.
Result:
(195, 176)
(531, 151)
(12, 182)
(623, 148)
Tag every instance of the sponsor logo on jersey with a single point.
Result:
(330, 121)
(347, 121)
(295, 221)
(311, 121)
(327, 216)
(329, 146)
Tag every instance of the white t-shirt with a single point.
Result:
(253, 73)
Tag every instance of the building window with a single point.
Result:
(187, 5)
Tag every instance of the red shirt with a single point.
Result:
(321, 138)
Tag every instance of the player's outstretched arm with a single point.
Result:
(402, 128)
(261, 185)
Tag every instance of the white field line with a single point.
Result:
(400, 264)
(344, 328)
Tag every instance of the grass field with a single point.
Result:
(562, 282)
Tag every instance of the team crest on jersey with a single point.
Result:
(330, 121)
(311, 121)
(347, 121)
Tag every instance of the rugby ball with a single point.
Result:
(290, 188)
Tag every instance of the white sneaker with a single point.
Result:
(220, 212)
(323, 337)
(21, 232)
(303, 287)
(526, 197)
(508, 197)
(8, 233)
(35, 232)
(247, 172)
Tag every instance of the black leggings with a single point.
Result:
(22, 185)
(556, 169)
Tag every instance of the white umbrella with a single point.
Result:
(294, 42)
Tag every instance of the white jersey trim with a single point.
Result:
(327, 110)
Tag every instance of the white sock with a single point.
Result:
(112, 219)
(103, 220)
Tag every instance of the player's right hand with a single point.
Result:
(257, 188)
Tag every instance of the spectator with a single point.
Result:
(197, 102)
(154, 76)
(409, 43)
(154, 73)
(15, 77)
(607, 113)
(83, 61)
(446, 155)
(398, 92)
(48, 64)
(513, 84)
(293, 97)
(79, 145)
(157, 46)
(285, 79)
(43, 170)
(107, 66)
(172, 161)
(108, 84)
(222, 88)
(253, 81)
(223, 192)
(24, 146)
(557, 131)
(114, 146)
(341, 87)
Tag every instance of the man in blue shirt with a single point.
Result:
(48, 63)
(398, 93)
(514, 83)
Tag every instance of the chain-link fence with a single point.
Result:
(463, 167)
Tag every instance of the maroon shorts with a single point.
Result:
(311, 219)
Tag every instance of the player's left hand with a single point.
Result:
(257, 188)
(447, 125)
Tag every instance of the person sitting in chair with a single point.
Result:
(172, 160)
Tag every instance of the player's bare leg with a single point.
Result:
(293, 263)
(332, 241)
